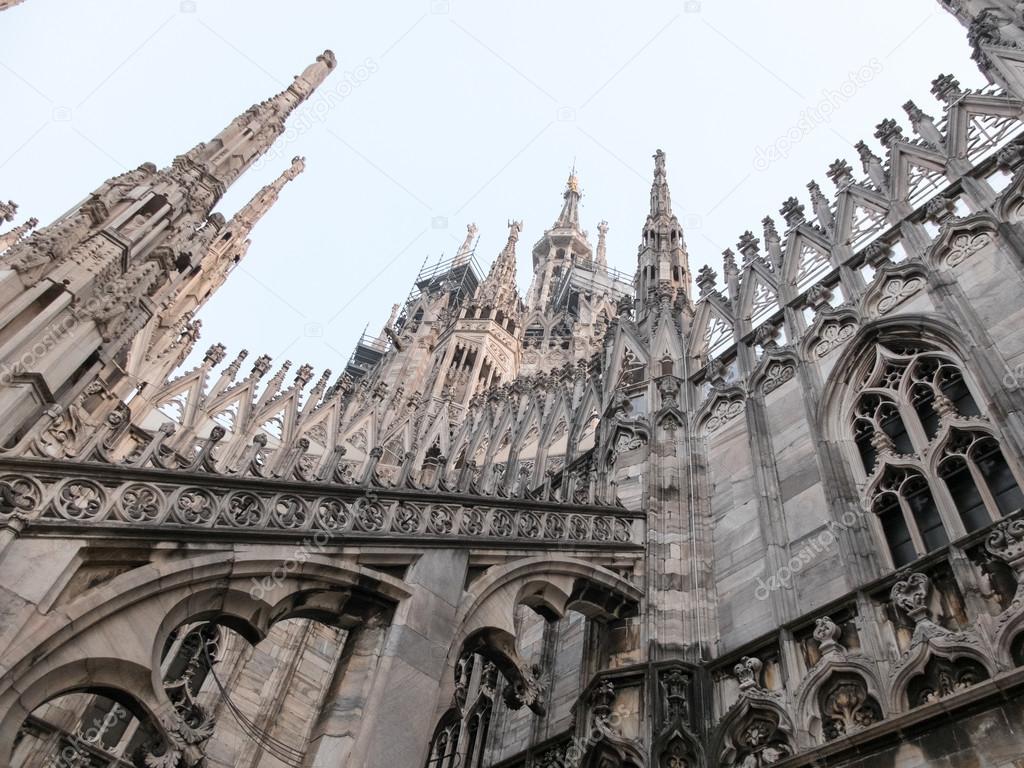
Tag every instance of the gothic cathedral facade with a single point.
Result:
(646, 521)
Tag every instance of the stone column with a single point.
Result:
(397, 721)
(344, 706)
(10, 529)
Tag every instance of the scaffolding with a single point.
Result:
(588, 277)
(367, 353)
(460, 276)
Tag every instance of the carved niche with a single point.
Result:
(846, 706)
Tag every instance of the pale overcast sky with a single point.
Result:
(451, 111)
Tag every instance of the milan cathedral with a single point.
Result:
(659, 520)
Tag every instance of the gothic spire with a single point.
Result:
(249, 135)
(661, 199)
(247, 216)
(663, 258)
(498, 290)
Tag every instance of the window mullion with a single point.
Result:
(915, 534)
(983, 489)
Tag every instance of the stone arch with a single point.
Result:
(141, 607)
(126, 683)
(962, 239)
(846, 702)
(551, 586)
(910, 328)
(807, 695)
(444, 743)
(777, 366)
(883, 427)
(610, 754)
(677, 746)
(719, 407)
(757, 722)
(830, 330)
(893, 285)
(950, 647)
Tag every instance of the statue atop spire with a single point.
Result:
(661, 199)
(570, 215)
(466, 249)
(602, 254)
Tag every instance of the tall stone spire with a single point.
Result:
(602, 248)
(244, 220)
(498, 290)
(228, 154)
(661, 198)
(230, 246)
(559, 248)
(663, 260)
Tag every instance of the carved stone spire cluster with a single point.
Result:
(498, 290)
(663, 260)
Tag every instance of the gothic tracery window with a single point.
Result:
(932, 464)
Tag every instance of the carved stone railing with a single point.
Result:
(92, 497)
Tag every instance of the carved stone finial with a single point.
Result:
(7, 210)
(1006, 541)
(728, 264)
(866, 155)
(840, 172)
(261, 366)
(946, 88)
(748, 245)
(748, 673)
(911, 596)
(602, 698)
(878, 254)
(215, 354)
(1011, 156)
(827, 633)
(706, 278)
(303, 375)
(792, 211)
(818, 296)
(767, 335)
(888, 132)
(940, 209)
